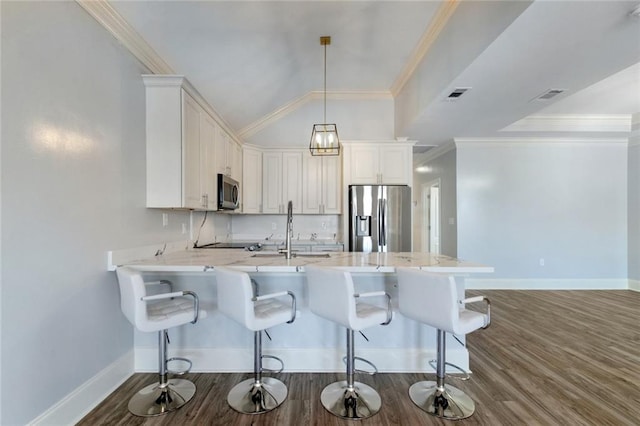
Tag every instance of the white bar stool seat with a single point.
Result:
(332, 296)
(432, 299)
(237, 300)
(158, 312)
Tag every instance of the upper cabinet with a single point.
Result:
(379, 163)
(183, 146)
(281, 181)
(251, 180)
(322, 185)
(228, 156)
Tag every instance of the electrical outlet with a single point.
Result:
(184, 228)
(541, 261)
(324, 225)
(165, 220)
(273, 226)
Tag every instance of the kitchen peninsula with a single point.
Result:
(217, 344)
(266, 261)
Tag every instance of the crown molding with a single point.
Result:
(499, 141)
(572, 123)
(434, 153)
(437, 24)
(288, 108)
(113, 22)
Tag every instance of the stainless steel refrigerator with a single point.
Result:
(379, 218)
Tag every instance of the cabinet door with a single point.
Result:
(331, 185)
(395, 165)
(208, 178)
(292, 180)
(364, 165)
(191, 195)
(236, 167)
(271, 182)
(221, 151)
(312, 184)
(251, 181)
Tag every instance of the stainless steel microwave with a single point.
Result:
(228, 193)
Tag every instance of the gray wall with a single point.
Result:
(563, 202)
(73, 187)
(441, 167)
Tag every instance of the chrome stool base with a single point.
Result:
(155, 400)
(251, 397)
(451, 404)
(359, 402)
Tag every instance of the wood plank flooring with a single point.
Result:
(549, 358)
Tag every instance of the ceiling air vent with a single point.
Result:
(456, 93)
(549, 94)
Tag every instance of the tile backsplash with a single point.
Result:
(274, 226)
(225, 227)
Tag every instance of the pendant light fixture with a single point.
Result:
(324, 137)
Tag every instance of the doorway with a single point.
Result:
(431, 217)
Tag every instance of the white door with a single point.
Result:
(431, 217)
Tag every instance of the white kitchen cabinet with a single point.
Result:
(179, 150)
(281, 181)
(237, 167)
(251, 180)
(322, 185)
(208, 177)
(376, 163)
(228, 156)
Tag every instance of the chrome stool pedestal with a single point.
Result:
(260, 394)
(349, 399)
(166, 395)
(438, 399)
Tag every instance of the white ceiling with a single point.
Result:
(251, 59)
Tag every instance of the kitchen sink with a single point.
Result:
(307, 254)
(302, 254)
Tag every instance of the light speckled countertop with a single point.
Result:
(204, 260)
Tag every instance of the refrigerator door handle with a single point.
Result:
(379, 211)
(383, 222)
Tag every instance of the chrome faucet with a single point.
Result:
(287, 249)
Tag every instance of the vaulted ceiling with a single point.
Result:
(256, 61)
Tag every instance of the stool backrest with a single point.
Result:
(331, 294)
(428, 297)
(132, 290)
(234, 295)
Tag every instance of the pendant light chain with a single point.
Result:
(325, 83)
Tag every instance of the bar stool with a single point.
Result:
(332, 296)
(432, 299)
(158, 312)
(236, 299)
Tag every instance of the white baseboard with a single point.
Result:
(634, 285)
(316, 360)
(82, 400)
(546, 284)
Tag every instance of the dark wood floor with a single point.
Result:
(549, 358)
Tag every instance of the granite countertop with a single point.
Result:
(206, 260)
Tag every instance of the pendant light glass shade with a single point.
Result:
(324, 137)
(324, 140)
